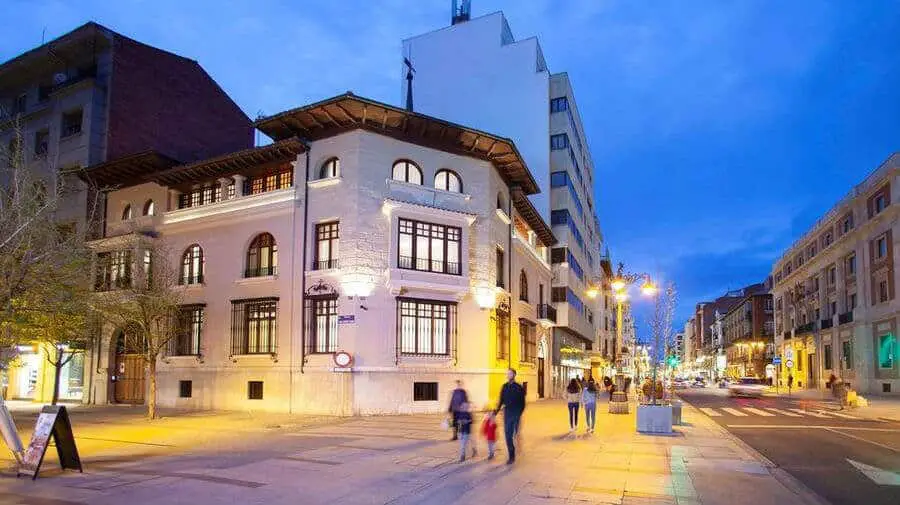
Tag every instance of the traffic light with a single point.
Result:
(673, 361)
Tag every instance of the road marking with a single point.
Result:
(840, 414)
(812, 427)
(861, 439)
(734, 412)
(759, 412)
(808, 413)
(878, 475)
(710, 412)
(783, 412)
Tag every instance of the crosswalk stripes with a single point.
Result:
(809, 413)
(783, 412)
(840, 414)
(734, 412)
(759, 412)
(710, 412)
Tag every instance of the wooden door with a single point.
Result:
(129, 386)
(540, 377)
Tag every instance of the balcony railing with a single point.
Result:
(806, 328)
(192, 279)
(846, 317)
(326, 264)
(546, 312)
(826, 323)
(260, 272)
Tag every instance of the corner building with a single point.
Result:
(836, 309)
(504, 85)
(403, 240)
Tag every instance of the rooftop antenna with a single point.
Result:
(409, 79)
(462, 10)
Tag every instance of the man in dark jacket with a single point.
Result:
(457, 399)
(512, 397)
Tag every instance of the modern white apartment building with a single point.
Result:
(504, 85)
(836, 309)
(405, 241)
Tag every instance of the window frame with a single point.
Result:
(523, 286)
(242, 324)
(503, 323)
(127, 213)
(67, 130)
(559, 142)
(327, 233)
(192, 266)
(330, 168)
(254, 257)
(500, 267)
(891, 354)
(882, 240)
(411, 228)
(450, 175)
(189, 336)
(416, 305)
(527, 341)
(149, 208)
(406, 165)
(325, 307)
(559, 104)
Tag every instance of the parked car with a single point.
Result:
(680, 384)
(748, 386)
(699, 382)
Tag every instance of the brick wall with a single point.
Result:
(169, 103)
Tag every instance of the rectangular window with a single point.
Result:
(253, 326)
(847, 224)
(880, 204)
(429, 247)
(502, 330)
(816, 284)
(254, 390)
(833, 308)
(41, 142)
(851, 265)
(559, 104)
(560, 216)
(425, 391)
(882, 291)
(559, 142)
(887, 345)
(847, 354)
(832, 275)
(574, 301)
(557, 295)
(527, 341)
(558, 255)
(500, 268)
(71, 124)
(574, 266)
(185, 389)
(881, 247)
(20, 104)
(113, 270)
(190, 326)
(326, 246)
(852, 301)
(323, 325)
(827, 363)
(425, 326)
(558, 179)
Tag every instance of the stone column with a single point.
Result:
(223, 187)
(174, 196)
(238, 185)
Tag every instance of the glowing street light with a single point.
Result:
(592, 292)
(648, 288)
(618, 284)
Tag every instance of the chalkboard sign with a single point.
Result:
(53, 420)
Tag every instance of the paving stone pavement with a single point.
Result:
(407, 460)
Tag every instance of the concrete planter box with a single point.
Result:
(654, 419)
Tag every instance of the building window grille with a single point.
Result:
(322, 324)
(425, 391)
(254, 390)
(189, 329)
(406, 171)
(425, 326)
(185, 389)
(262, 256)
(429, 247)
(326, 246)
(253, 326)
(527, 341)
(192, 265)
(448, 180)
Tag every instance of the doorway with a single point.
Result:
(128, 374)
(540, 374)
(812, 369)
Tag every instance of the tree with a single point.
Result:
(147, 309)
(661, 328)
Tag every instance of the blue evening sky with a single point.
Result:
(719, 130)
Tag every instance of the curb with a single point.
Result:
(794, 485)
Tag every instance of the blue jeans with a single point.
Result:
(590, 415)
(573, 415)
(510, 427)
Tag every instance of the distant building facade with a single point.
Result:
(836, 310)
(748, 334)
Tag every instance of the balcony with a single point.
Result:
(846, 317)
(326, 264)
(546, 314)
(268, 271)
(826, 323)
(806, 328)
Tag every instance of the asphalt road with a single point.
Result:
(814, 443)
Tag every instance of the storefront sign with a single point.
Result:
(53, 420)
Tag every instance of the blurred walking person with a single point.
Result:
(512, 401)
(573, 397)
(589, 399)
(457, 399)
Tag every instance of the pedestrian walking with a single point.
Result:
(464, 423)
(790, 382)
(512, 401)
(457, 399)
(489, 430)
(589, 399)
(573, 397)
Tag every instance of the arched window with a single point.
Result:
(331, 168)
(126, 213)
(262, 256)
(523, 286)
(407, 171)
(192, 265)
(149, 208)
(448, 180)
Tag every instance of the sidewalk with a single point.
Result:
(879, 407)
(408, 460)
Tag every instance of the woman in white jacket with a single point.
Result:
(589, 399)
(573, 396)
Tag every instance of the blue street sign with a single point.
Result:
(776, 360)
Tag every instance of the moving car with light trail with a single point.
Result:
(747, 386)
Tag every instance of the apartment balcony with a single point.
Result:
(546, 314)
(806, 328)
(242, 204)
(846, 317)
(826, 323)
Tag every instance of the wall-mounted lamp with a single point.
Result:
(357, 285)
(485, 297)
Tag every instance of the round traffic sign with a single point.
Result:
(789, 363)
